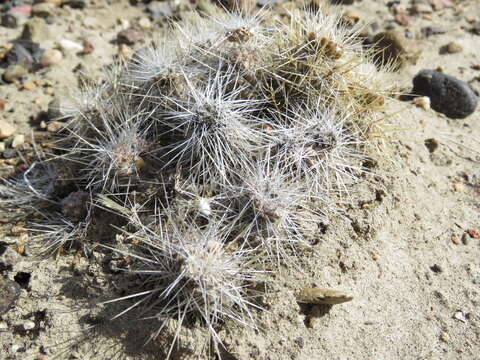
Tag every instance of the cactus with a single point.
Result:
(213, 146)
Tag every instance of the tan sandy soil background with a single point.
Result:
(406, 246)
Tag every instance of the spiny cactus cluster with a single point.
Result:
(211, 152)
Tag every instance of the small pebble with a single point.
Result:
(28, 325)
(51, 57)
(465, 239)
(448, 95)
(29, 85)
(2, 146)
(475, 234)
(145, 23)
(130, 36)
(453, 47)
(18, 141)
(43, 10)
(422, 102)
(75, 4)
(88, 47)
(431, 144)
(323, 296)
(6, 129)
(437, 269)
(3, 326)
(69, 45)
(456, 240)
(13, 73)
(10, 291)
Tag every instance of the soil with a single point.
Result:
(402, 246)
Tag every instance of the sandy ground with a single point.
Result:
(399, 247)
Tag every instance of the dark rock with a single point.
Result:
(431, 144)
(130, 36)
(436, 269)
(9, 293)
(10, 21)
(76, 4)
(448, 95)
(475, 29)
(19, 55)
(75, 205)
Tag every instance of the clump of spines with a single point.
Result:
(241, 125)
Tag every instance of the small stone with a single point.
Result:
(322, 296)
(475, 29)
(448, 95)
(130, 36)
(13, 73)
(437, 269)
(68, 45)
(419, 9)
(10, 291)
(422, 102)
(28, 325)
(475, 234)
(395, 48)
(28, 85)
(43, 10)
(3, 326)
(75, 205)
(20, 55)
(2, 146)
(402, 18)
(3, 102)
(453, 47)
(375, 256)
(18, 141)
(145, 23)
(51, 57)
(35, 30)
(465, 239)
(431, 144)
(88, 47)
(10, 20)
(476, 67)
(24, 9)
(440, 4)
(456, 240)
(75, 4)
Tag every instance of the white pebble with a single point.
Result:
(18, 140)
(28, 325)
(69, 45)
(3, 326)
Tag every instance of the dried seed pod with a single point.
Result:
(323, 296)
